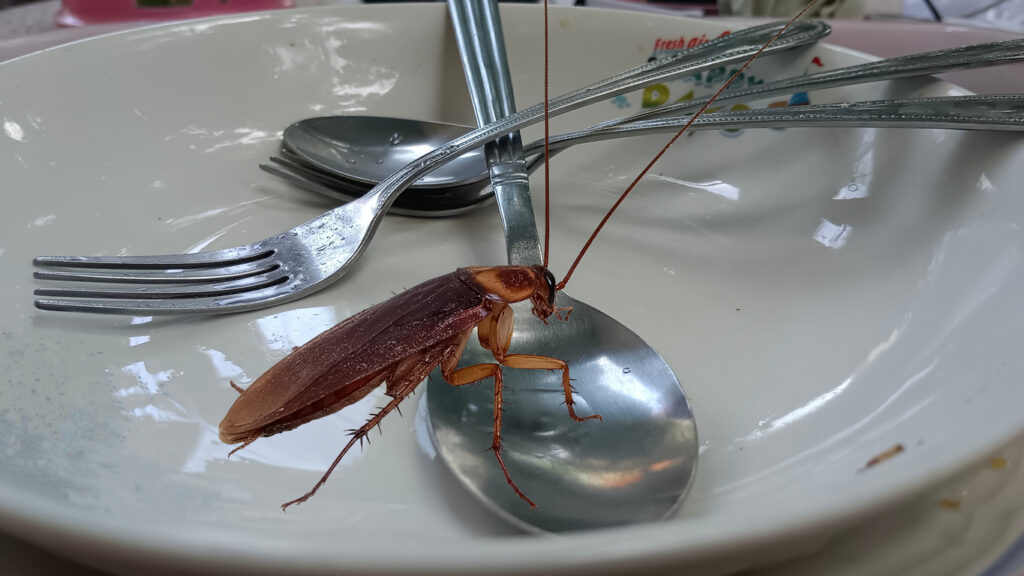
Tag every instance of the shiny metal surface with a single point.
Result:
(1000, 113)
(351, 147)
(379, 145)
(336, 144)
(314, 254)
(633, 466)
(482, 49)
(636, 464)
(367, 149)
(438, 202)
(993, 113)
(934, 62)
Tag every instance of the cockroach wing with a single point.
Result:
(341, 365)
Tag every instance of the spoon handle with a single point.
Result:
(482, 48)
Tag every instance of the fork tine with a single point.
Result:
(164, 292)
(213, 259)
(249, 300)
(169, 276)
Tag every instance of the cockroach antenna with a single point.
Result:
(665, 148)
(547, 148)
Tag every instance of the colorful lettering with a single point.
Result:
(655, 95)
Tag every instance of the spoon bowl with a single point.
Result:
(634, 465)
(364, 150)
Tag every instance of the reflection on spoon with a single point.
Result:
(636, 463)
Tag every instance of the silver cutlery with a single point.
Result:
(461, 185)
(314, 254)
(464, 192)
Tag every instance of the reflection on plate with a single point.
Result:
(822, 294)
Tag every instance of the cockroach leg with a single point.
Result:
(496, 439)
(476, 373)
(237, 388)
(503, 328)
(495, 333)
(534, 362)
(402, 380)
(358, 436)
(244, 444)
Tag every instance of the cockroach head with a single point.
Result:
(516, 284)
(550, 279)
(543, 298)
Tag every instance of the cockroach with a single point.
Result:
(398, 342)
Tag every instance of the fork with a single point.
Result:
(314, 254)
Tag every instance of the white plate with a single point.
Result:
(813, 323)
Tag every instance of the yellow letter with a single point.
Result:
(655, 95)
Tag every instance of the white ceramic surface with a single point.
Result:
(815, 323)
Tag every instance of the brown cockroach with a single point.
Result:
(398, 342)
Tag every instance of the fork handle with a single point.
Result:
(986, 112)
(935, 62)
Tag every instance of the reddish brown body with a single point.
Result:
(397, 343)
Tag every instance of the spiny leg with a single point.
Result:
(402, 379)
(495, 334)
(498, 338)
(534, 362)
(476, 373)
(357, 436)
(496, 439)
(244, 444)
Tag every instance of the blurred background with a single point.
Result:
(23, 17)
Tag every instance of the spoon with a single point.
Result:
(364, 150)
(634, 466)
(424, 203)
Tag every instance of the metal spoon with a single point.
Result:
(635, 465)
(365, 150)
